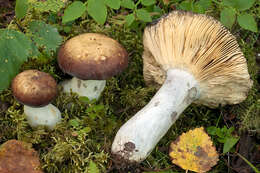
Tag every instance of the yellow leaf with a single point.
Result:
(194, 151)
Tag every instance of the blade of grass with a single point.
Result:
(250, 164)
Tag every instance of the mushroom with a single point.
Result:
(195, 59)
(91, 58)
(18, 157)
(36, 90)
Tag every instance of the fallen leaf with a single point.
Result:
(194, 151)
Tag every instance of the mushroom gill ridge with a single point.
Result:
(200, 45)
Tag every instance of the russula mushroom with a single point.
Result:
(91, 58)
(195, 59)
(19, 157)
(36, 90)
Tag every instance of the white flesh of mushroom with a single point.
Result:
(88, 88)
(138, 136)
(48, 116)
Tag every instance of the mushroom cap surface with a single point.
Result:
(200, 45)
(18, 157)
(34, 88)
(92, 56)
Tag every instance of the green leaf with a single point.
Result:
(239, 4)
(92, 168)
(97, 10)
(158, 10)
(220, 133)
(85, 100)
(221, 140)
(74, 123)
(228, 17)
(212, 130)
(99, 108)
(229, 143)
(143, 15)
(73, 11)
(114, 4)
(15, 49)
(85, 130)
(198, 8)
(229, 3)
(186, 5)
(21, 7)
(247, 21)
(128, 4)
(47, 5)
(244, 4)
(148, 2)
(229, 131)
(205, 4)
(45, 36)
(129, 19)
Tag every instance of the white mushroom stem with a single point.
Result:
(88, 88)
(136, 139)
(48, 116)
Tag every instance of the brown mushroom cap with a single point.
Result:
(202, 46)
(34, 88)
(92, 56)
(18, 157)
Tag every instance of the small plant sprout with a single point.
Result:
(91, 58)
(195, 59)
(36, 90)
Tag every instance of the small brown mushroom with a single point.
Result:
(194, 59)
(36, 90)
(18, 157)
(91, 58)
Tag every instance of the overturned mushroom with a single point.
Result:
(18, 157)
(195, 59)
(91, 58)
(36, 90)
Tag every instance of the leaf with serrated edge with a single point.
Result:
(194, 151)
(45, 36)
(15, 48)
(47, 5)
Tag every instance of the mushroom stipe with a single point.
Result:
(36, 89)
(192, 58)
(91, 58)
